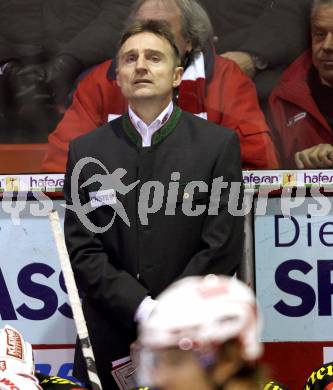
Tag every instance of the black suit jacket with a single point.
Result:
(116, 269)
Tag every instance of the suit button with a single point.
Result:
(138, 276)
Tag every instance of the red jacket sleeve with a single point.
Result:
(277, 118)
(232, 101)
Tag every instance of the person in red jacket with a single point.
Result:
(212, 87)
(301, 104)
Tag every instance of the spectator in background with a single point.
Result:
(44, 45)
(213, 87)
(301, 106)
(262, 36)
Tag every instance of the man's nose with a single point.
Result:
(141, 63)
(328, 42)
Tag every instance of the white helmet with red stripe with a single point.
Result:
(15, 353)
(10, 381)
(197, 311)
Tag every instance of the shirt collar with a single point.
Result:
(146, 131)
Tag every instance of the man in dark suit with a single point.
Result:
(162, 213)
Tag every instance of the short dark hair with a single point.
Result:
(158, 27)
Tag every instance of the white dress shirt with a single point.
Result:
(147, 131)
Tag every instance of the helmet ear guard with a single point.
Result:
(207, 358)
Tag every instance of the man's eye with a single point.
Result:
(130, 59)
(155, 58)
(319, 34)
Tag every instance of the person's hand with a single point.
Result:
(244, 61)
(61, 73)
(318, 156)
(27, 84)
(44, 84)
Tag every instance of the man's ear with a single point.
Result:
(189, 46)
(117, 77)
(178, 75)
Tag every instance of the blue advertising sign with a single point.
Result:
(32, 288)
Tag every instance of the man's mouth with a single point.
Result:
(142, 81)
(328, 61)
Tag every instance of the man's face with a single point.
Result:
(146, 68)
(168, 11)
(179, 370)
(322, 42)
(176, 369)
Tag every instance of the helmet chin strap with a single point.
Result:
(221, 386)
(208, 361)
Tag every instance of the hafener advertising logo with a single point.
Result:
(257, 179)
(222, 196)
(325, 177)
(214, 197)
(46, 183)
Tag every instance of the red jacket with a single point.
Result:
(229, 99)
(296, 119)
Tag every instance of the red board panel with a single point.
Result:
(291, 363)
